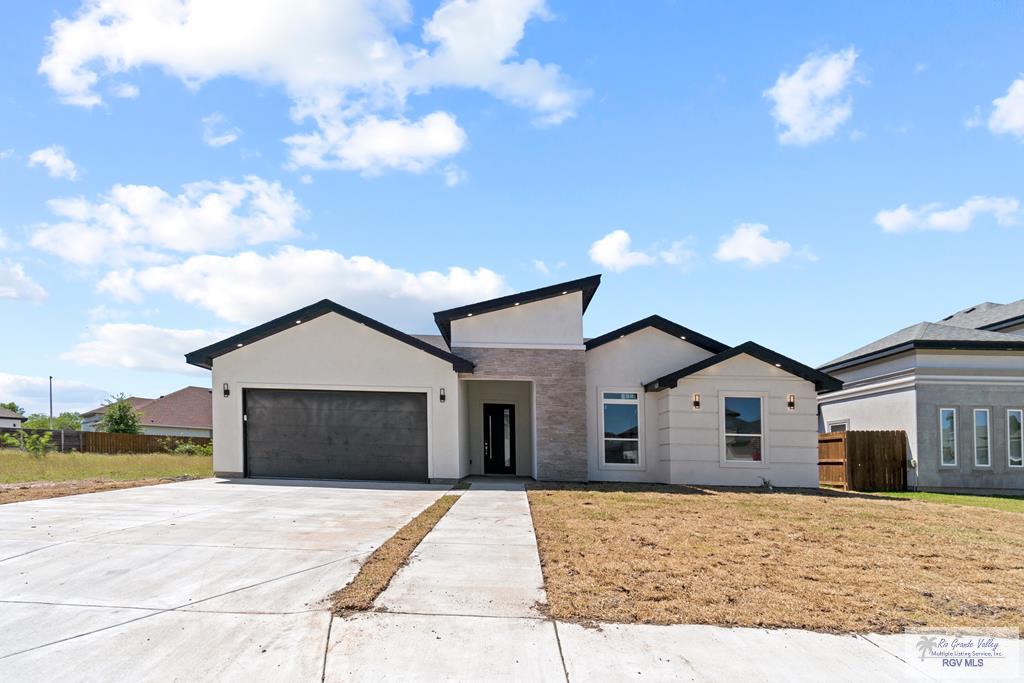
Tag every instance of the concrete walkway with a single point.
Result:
(465, 609)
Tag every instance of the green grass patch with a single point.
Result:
(1004, 503)
(18, 466)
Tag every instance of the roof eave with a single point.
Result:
(662, 325)
(924, 345)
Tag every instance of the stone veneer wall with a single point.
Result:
(560, 386)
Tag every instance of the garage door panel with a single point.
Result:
(336, 434)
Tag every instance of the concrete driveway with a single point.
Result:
(203, 580)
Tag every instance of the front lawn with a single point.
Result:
(826, 561)
(28, 477)
(1006, 503)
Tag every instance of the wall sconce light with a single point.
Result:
(442, 394)
(696, 401)
(791, 402)
(227, 392)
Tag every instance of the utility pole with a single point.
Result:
(51, 401)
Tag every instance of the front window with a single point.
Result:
(947, 435)
(838, 426)
(981, 454)
(1014, 445)
(743, 438)
(620, 417)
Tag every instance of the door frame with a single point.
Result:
(512, 441)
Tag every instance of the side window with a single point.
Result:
(620, 425)
(947, 436)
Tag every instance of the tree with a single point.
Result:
(67, 421)
(120, 417)
(11, 405)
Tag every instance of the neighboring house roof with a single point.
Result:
(134, 401)
(822, 381)
(586, 285)
(664, 325)
(988, 316)
(8, 414)
(925, 335)
(204, 357)
(188, 407)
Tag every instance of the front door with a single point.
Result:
(499, 438)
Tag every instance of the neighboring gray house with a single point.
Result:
(956, 387)
(185, 412)
(509, 387)
(10, 419)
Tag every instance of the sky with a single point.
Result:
(809, 176)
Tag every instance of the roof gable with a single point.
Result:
(821, 381)
(988, 316)
(187, 407)
(204, 357)
(663, 325)
(587, 286)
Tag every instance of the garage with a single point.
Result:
(313, 434)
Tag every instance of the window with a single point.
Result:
(981, 454)
(743, 437)
(1014, 445)
(947, 435)
(620, 423)
(839, 426)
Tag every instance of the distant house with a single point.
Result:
(10, 419)
(956, 387)
(185, 412)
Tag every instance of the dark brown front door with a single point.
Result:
(499, 438)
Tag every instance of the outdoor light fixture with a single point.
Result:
(227, 392)
(696, 401)
(442, 394)
(791, 402)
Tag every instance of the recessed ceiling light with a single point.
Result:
(297, 322)
(516, 303)
(239, 346)
(469, 315)
(778, 365)
(682, 336)
(566, 292)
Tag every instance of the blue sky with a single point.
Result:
(811, 176)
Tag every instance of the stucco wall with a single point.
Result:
(628, 363)
(559, 386)
(550, 323)
(691, 441)
(519, 394)
(9, 423)
(333, 352)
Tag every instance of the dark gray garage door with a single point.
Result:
(336, 434)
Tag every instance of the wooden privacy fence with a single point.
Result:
(104, 442)
(863, 460)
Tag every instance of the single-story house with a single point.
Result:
(956, 387)
(185, 412)
(10, 419)
(509, 387)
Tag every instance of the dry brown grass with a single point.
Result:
(824, 561)
(376, 573)
(36, 490)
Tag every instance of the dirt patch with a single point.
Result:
(825, 561)
(35, 490)
(378, 570)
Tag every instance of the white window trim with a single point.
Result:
(829, 425)
(956, 437)
(988, 436)
(763, 463)
(1009, 461)
(639, 403)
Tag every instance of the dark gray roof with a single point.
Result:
(927, 335)
(987, 315)
(10, 415)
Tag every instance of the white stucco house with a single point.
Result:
(509, 387)
(956, 387)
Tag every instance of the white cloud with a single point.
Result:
(1008, 111)
(137, 346)
(748, 243)
(218, 131)
(139, 222)
(545, 268)
(349, 66)
(1005, 211)
(32, 393)
(15, 284)
(56, 162)
(373, 145)
(125, 91)
(6, 154)
(613, 252)
(975, 119)
(453, 175)
(249, 287)
(810, 103)
(678, 254)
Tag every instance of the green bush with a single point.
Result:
(189, 448)
(36, 444)
(120, 417)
